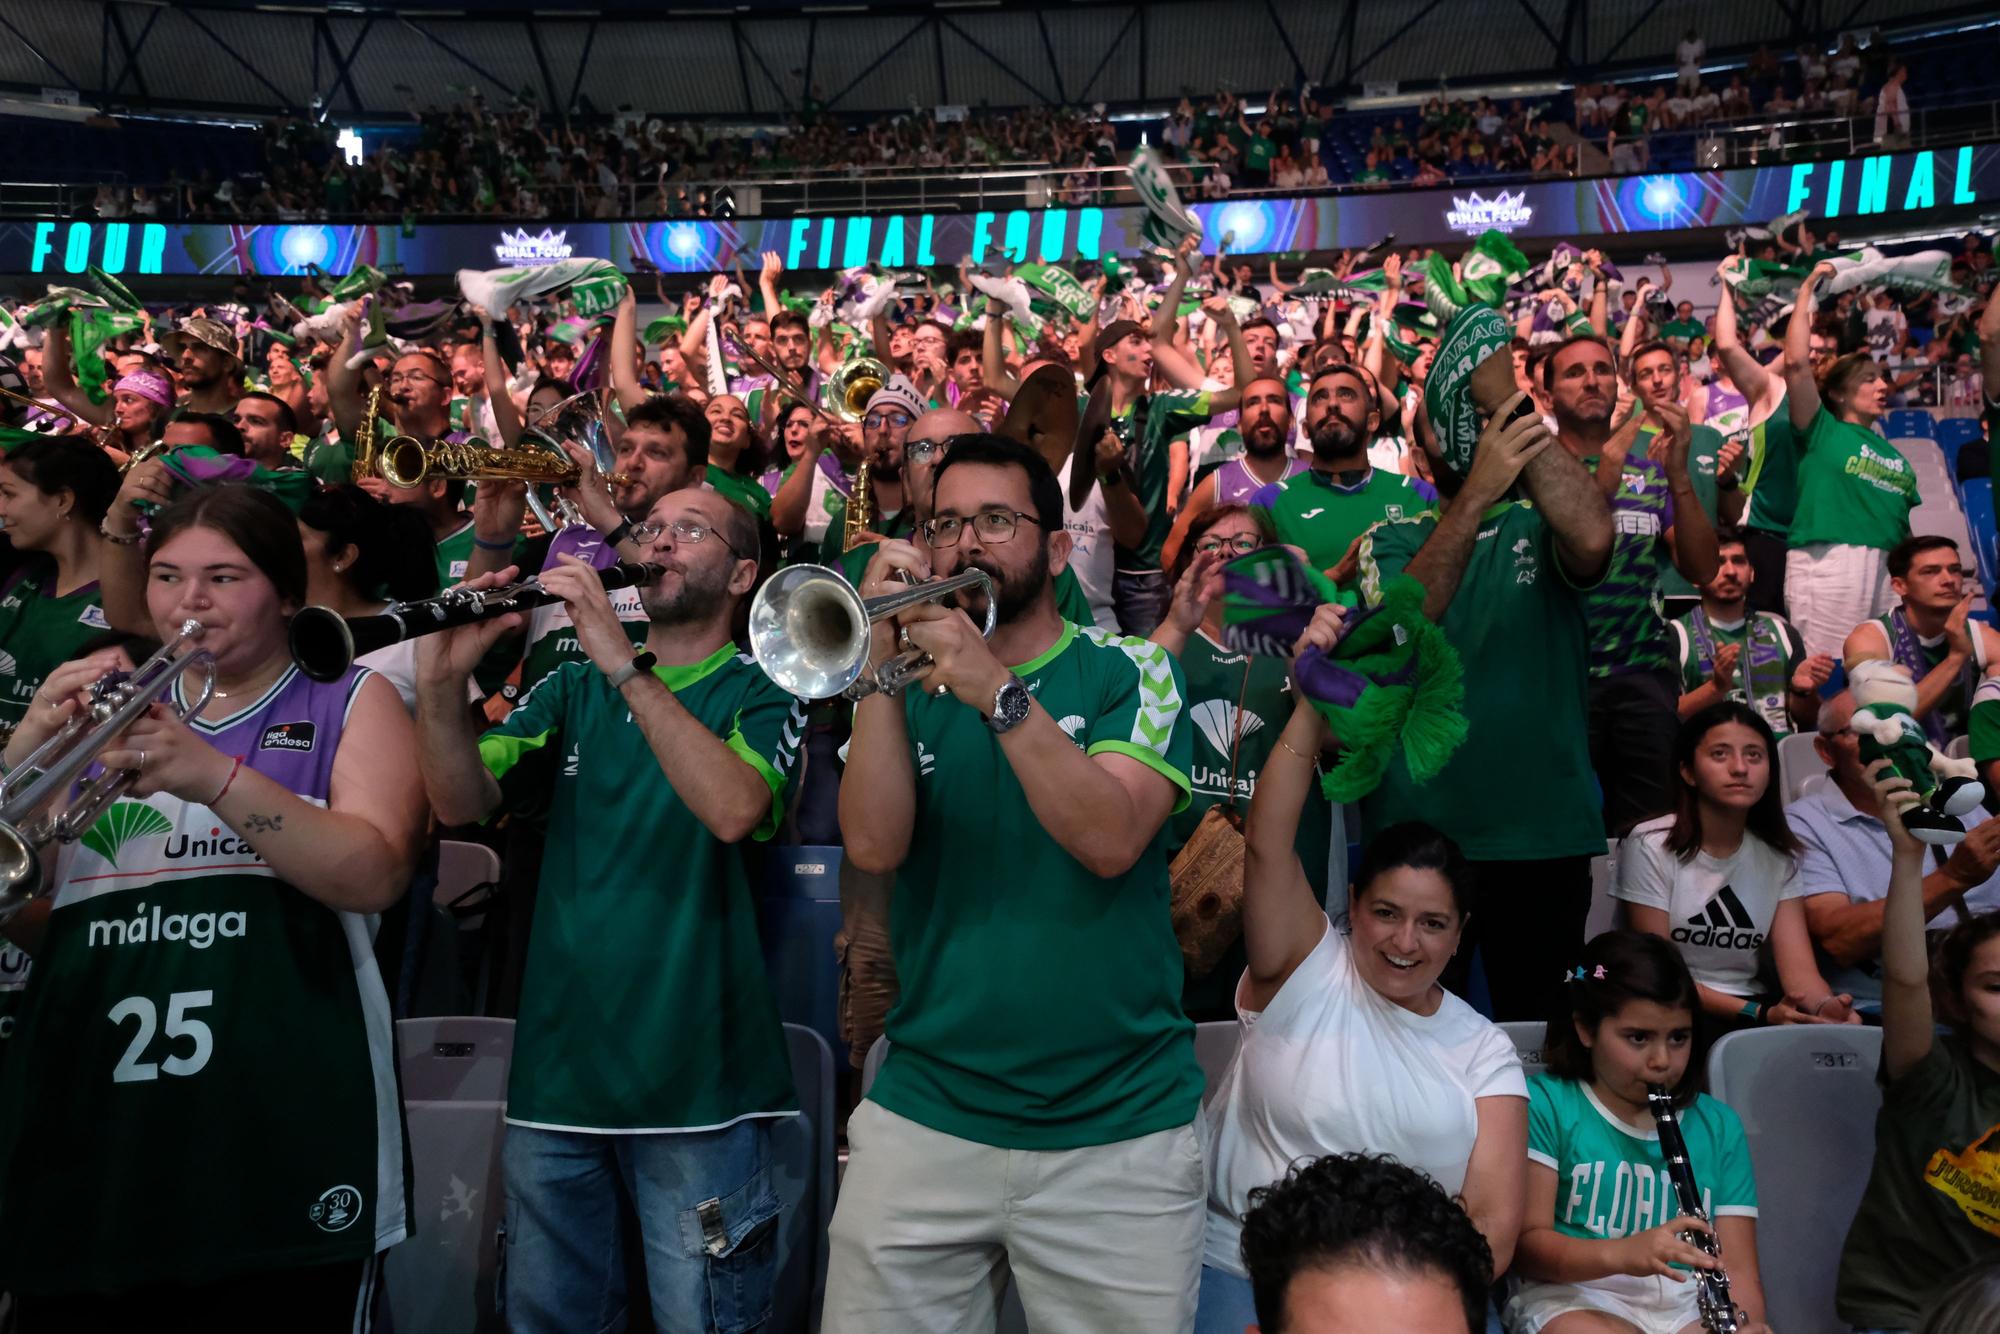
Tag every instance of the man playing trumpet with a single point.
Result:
(1037, 1105)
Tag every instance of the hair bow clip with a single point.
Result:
(1599, 974)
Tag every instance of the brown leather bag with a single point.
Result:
(1207, 873)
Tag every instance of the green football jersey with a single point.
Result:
(1521, 787)
(1855, 488)
(1169, 414)
(645, 1006)
(1215, 685)
(202, 1078)
(1322, 515)
(1704, 444)
(1773, 477)
(40, 631)
(454, 554)
(550, 633)
(1041, 1004)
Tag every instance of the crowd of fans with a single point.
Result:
(1655, 543)
(518, 161)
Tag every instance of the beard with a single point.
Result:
(698, 598)
(1016, 594)
(1335, 441)
(1264, 441)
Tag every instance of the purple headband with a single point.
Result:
(148, 386)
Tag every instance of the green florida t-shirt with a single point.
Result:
(1855, 488)
(1928, 1211)
(645, 1005)
(39, 632)
(1041, 1004)
(1521, 787)
(1321, 514)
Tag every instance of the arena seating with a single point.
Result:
(1807, 1098)
(1800, 769)
(1909, 422)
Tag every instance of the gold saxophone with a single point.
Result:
(860, 511)
(366, 440)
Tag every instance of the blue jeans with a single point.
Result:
(707, 1218)
(1225, 1305)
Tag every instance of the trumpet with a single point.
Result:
(116, 702)
(809, 631)
(325, 644)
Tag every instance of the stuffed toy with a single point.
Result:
(1885, 722)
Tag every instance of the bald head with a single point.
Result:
(933, 427)
(942, 424)
(1836, 713)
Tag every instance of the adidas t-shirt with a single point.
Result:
(1719, 908)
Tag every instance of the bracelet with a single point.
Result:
(234, 769)
(1822, 1002)
(115, 540)
(1752, 1011)
(1288, 746)
(484, 545)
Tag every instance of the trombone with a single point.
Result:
(99, 435)
(844, 394)
(116, 702)
(810, 631)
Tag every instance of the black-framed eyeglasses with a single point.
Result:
(684, 530)
(875, 421)
(1242, 544)
(993, 526)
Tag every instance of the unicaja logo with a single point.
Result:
(517, 247)
(1473, 214)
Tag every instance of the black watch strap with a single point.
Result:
(618, 534)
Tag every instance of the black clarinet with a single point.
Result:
(325, 643)
(1719, 1312)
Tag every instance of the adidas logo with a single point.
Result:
(1722, 925)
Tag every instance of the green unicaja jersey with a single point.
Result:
(1855, 488)
(1168, 414)
(645, 1006)
(551, 635)
(1773, 477)
(201, 1037)
(1704, 444)
(1521, 787)
(40, 631)
(1220, 700)
(1322, 513)
(1041, 1004)
(454, 554)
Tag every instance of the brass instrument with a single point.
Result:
(366, 439)
(580, 420)
(99, 435)
(847, 390)
(37, 404)
(1718, 1310)
(116, 702)
(325, 643)
(858, 516)
(809, 630)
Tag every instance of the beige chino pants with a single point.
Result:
(1101, 1240)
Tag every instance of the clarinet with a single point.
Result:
(1719, 1312)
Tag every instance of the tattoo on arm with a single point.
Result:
(257, 824)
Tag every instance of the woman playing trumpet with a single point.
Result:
(201, 1110)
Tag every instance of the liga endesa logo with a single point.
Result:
(1504, 212)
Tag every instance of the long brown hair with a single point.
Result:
(1767, 817)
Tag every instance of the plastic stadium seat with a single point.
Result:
(1807, 1097)
(1955, 431)
(454, 1088)
(1909, 421)
(1797, 761)
(1977, 495)
(1527, 1035)
(802, 1163)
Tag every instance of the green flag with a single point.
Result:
(89, 332)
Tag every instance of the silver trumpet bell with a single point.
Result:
(116, 701)
(809, 630)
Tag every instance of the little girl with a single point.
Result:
(1600, 1245)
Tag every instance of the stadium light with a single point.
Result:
(349, 144)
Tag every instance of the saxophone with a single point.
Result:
(1719, 1312)
(860, 511)
(367, 439)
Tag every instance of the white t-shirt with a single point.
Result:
(1332, 1067)
(1090, 553)
(1719, 910)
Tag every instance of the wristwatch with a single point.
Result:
(618, 534)
(641, 662)
(1011, 703)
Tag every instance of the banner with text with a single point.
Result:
(1919, 183)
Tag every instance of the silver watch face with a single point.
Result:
(1010, 705)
